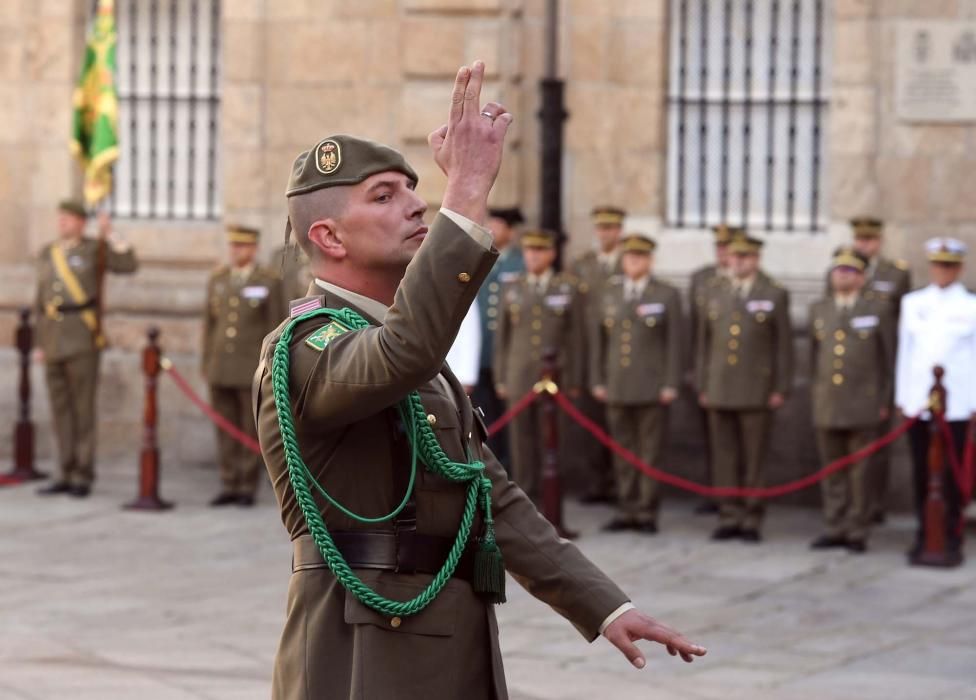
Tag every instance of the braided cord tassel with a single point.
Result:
(424, 441)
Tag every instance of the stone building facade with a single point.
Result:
(292, 71)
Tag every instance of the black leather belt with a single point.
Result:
(69, 308)
(387, 551)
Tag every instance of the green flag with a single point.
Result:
(94, 138)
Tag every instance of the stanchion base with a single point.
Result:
(148, 503)
(942, 560)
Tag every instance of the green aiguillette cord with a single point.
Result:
(489, 569)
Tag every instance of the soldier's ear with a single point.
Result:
(323, 235)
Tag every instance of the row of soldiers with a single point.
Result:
(620, 333)
(244, 301)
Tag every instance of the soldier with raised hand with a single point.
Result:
(886, 280)
(70, 337)
(593, 268)
(244, 302)
(369, 621)
(636, 370)
(745, 372)
(852, 382)
(540, 311)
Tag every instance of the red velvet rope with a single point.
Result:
(728, 491)
(510, 414)
(221, 422)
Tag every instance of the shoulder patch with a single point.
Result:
(320, 338)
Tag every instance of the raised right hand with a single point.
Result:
(469, 147)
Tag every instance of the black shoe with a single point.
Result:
(726, 532)
(80, 490)
(706, 508)
(829, 542)
(751, 536)
(246, 501)
(590, 499)
(878, 518)
(53, 489)
(648, 528)
(619, 525)
(856, 546)
(224, 499)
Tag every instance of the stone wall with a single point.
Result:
(916, 176)
(296, 70)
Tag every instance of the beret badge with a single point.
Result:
(328, 157)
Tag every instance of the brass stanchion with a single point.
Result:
(148, 498)
(23, 469)
(934, 551)
(552, 495)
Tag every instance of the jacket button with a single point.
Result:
(464, 278)
(838, 379)
(431, 420)
(395, 622)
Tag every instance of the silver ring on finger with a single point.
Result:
(489, 115)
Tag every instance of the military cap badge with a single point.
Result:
(329, 157)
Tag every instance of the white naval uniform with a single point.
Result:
(937, 327)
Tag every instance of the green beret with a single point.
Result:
(73, 206)
(343, 160)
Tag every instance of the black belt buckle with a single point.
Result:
(405, 532)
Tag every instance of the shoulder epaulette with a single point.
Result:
(901, 264)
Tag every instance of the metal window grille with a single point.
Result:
(746, 113)
(168, 77)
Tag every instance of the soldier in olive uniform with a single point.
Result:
(541, 311)
(886, 280)
(69, 334)
(703, 283)
(291, 265)
(745, 371)
(852, 382)
(353, 207)
(636, 371)
(244, 302)
(593, 268)
(502, 223)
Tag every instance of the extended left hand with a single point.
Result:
(634, 625)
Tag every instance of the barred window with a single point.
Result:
(168, 57)
(747, 107)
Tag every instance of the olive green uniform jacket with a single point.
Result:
(852, 363)
(637, 344)
(64, 335)
(533, 322)
(332, 645)
(745, 347)
(237, 317)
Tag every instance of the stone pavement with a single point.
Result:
(101, 604)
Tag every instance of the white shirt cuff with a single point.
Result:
(611, 618)
(479, 233)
